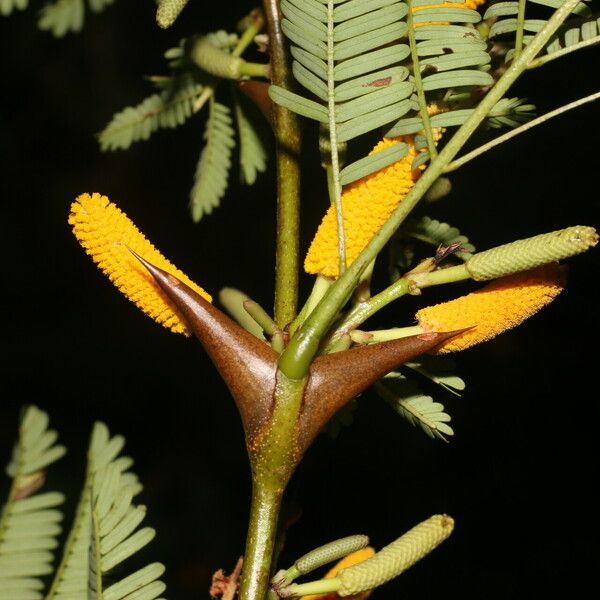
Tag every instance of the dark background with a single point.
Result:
(518, 475)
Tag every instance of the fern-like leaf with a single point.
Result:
(167, 110)
(253, 153)
(406, 398)
(571, 35)
(7, 6)
(114, 538)
(506, 23)
(438, 233)
(29, 522)
(348, 54)
(439, 370)
(451, 56)
(62, 17)
(71, 576)
(212, 172)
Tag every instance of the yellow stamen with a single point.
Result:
(495, 308)
(352, 559)
(107, 234)
(366, 203)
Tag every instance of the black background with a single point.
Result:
(517, 477)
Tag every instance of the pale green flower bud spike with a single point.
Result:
(168, 11)
(387, 564)
(220, 63)
(320, 556)
(531, 252)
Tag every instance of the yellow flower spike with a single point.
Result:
(350, 560)
(107, 235)
(497, 307)
(367, 204)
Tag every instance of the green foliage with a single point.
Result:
(506, 24)
(29, 522)
(65, 16)
(7, 6)
(62, 17)
(437, 233)
(212, 172)
(438, 370)
(349, 58)
(407, 399)
(452, 59)
(510, 112)
(571, 35)
(167, 110)
(101, 537)
(114, 537)
(253, 151)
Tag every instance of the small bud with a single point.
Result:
(396, 557)
(522, 255)
(214, 60)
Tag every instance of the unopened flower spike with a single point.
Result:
(108, 235)
(352, 559)
(320, 556)
(495, 308)
(361, 576)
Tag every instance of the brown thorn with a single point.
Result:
(337, 378)
(258, 92)
(247, 364)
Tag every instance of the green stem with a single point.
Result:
(542, 60)
(260, 315)
(296, 359)
(334, 172)
(377, 336)
(288, 138)
(455, 164)
(262, 530)
(520, 28)
(233, 302)
(361, 312)
(321, 586)
(419, 82)
(249, 69)
(249, 34)
(273, 457)
(320, 287)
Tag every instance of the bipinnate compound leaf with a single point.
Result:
(30, 521)
(212, 172)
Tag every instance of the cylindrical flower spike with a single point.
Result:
(108, 235)
(215, 60)
(349, 561)
(320, 556)
(330, 552)
(396, 557)
(168, 11)
(367, 204)
(531, 252)
(497, 307)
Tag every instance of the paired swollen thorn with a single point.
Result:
(249, 366)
